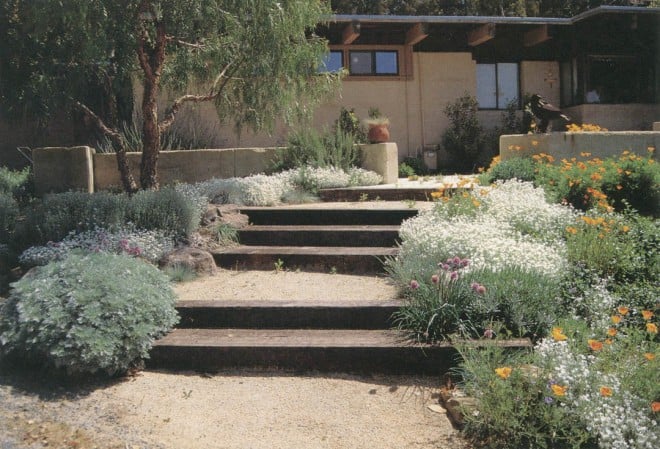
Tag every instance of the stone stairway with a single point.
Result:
(338, 335)
(340, 239)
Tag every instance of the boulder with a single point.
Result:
(228, 214)
(196, 259)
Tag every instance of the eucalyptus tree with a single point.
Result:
(255, 60)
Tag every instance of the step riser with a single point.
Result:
(286, 317)
(318, 238)
(429, 361)
(353, 195)
(327, 216)
(345, 264)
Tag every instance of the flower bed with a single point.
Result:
(582, 282)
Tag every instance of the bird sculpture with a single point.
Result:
(544, 111)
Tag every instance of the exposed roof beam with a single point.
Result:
(417, 33)
(482, 34)
(350, 33)
(536, 36)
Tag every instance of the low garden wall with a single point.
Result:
(567, 145)
(58, 169)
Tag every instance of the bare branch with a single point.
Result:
(214, 92)
(117, 139)
(196, 46)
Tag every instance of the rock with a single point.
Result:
(196, 259)
(228, 214)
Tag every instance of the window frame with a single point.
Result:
(323, 67)
(403, 55)
(498, 106)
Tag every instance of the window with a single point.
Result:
(614, 79)
(374, 62)
(568, 82)
(497, 85)
(332, 62)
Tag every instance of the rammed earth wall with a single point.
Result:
(58, 169)
(567, 145)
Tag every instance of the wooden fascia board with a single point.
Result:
(350, 33)
(416, 34)
(536, 36)
(482, 34)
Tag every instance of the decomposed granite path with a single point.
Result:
(238, 409)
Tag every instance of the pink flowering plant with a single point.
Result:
(458, 301)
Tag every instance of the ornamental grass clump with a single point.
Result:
(459, 301)
(98, 313)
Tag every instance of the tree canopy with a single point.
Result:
(545, 8)
(256, 60)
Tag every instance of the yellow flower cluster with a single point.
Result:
(585, 127)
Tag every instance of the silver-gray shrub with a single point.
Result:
(98, 313)
(148, 245)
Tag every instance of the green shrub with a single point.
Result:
(405, 170)
(464, 138)
(519, 168)
(513, 412)
(417, 164)
(349, 123)
(8, 214)
(16, 183)
(87, 314)
(165, 209)
(309, 147)
(628, 180)
(624, 248)
(56, 215)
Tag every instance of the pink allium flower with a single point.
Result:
(489, 333)
(435, 279)
(414, 284)
(481, 290)
(454, 275)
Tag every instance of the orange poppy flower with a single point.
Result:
(652, 328)
(647, 314)
(504, 372)
(623, 310)
(558, 334)
(595, 345)
(649, 356)
(611, 332)
(605, 391)
(559, 390)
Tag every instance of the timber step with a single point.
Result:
(379, 194)
(331, 216)
(384, 351)
(327, 235)
(340, 259)
(316, 314)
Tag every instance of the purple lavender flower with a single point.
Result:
(548, 400)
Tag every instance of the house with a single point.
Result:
(602, 67)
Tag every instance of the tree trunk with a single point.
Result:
(150, 137)
(152, 57)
